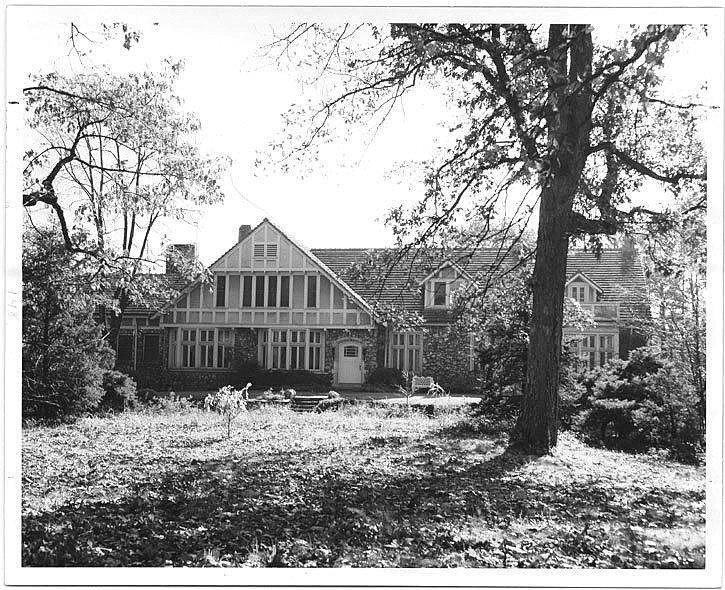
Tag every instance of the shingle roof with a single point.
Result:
(620, 280)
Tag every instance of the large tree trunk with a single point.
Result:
(569, 125)
(536, 428)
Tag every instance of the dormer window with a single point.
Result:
(440, 289)
(578, 293)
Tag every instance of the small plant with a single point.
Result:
(407, 392)
(119, 391)
(436, 390)
(229, 402)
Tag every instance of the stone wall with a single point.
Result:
(446, 359)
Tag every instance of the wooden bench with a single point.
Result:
(421, 383)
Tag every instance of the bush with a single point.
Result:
(386, 376)
(639, 404)
(228, 402)
(119, 391)
(299, 379)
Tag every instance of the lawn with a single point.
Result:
(361, 487)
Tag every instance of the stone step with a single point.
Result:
(306, 403)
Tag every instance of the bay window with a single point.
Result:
(595, 349)
(188, 348)
(290, 349)
(315, 351)
(225, 348)
(206, 348)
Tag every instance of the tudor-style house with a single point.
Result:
(274, 303)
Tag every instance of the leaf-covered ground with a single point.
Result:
(361, 487)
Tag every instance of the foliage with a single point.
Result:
(360, 487)
(558, 116)
(229, 402)
(639, 404)
(386, 376)
(119, 391)
(172, 403)
(676, 279)
(64, 353)
(115, 152)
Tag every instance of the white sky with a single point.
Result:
(240, 103)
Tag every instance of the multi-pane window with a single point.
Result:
(262, 339)
(272, 292)
(407, 352)
(172, 348)
(577, 293)
(225, 348)
(315, 351)
(279, 349)
(150, 348)
(259, 291)
(221, 291)
(595, 349)
(311, 291)
(188, 348)
(206, 348)
(284, 291)
(439, 293)
(297, 349)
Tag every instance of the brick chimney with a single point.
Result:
(628, 252)
(177, 253)
(244, 231)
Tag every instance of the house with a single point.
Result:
(275, 303)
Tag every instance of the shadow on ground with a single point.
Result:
(450, 499)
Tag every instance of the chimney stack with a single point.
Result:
(628, 251)
(177, 255)
(244, 231)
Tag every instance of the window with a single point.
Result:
(259, 291)
(350, 351)
(439, 293)
(315, 351)
(262, 339)
(407, 352)
(297, 349)
(247, 291)
(272, 292)
(150, 348)
(577, 293)
(259, 250)
(271, 250)
(172, 347)
(225, 348)
(284, 292)
(595, 350)
(124, 354)
(221, 291)
(206, 348)
(311, 291)
(279, 349)
(188, 348)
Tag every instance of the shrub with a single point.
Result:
(229, 402)
(299, 379)
(639, 404)
(119, 391)
(172, 403)
(386, 376)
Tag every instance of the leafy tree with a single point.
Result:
(676, 275)
(64, 351)
(560, 112)
(115, 155)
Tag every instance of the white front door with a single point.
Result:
(349, 366)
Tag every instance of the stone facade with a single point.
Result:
(446, 358)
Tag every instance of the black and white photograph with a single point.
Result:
(363, 296)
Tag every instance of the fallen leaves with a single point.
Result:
(360, 487)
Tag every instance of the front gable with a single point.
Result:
(268, 278)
